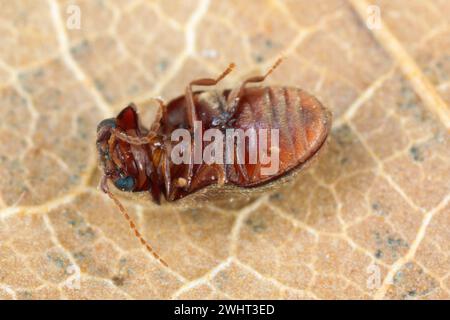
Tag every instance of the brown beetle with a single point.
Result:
(136, 159)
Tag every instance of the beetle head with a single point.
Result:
(115, 155)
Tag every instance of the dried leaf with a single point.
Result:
(370, 220)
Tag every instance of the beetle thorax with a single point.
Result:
(218, 104)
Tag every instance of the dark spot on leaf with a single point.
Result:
(256, 224)
(344, 135)
(162, 65)
(398, 277)
(99, 84)
(408, 105)
(57, 260)
(416, 153)
(26, 295)
(409, 100)
(376, 207)
(395, 244)
(195, 215)
(80, 48)
(118, 280)
(79, 256)
(258, 58)
(412, 293)
(378, 254)
(276, 196)
(87, 232)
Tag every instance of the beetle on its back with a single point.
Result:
(138, 159)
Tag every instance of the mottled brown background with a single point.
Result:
(376, 203)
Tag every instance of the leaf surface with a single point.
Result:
(369, 220)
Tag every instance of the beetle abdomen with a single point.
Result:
(302, 121)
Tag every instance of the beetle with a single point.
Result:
(137, 159)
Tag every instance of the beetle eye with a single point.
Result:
(125, 184)
(111, 122)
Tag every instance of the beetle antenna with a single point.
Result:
(134, 228)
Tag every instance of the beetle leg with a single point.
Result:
(192, 116)
(153, 128)
(222, 176)
(190, 174)
(161, 114)
(167, 176)
(133, 139)
(243, 170)
(236, 95)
